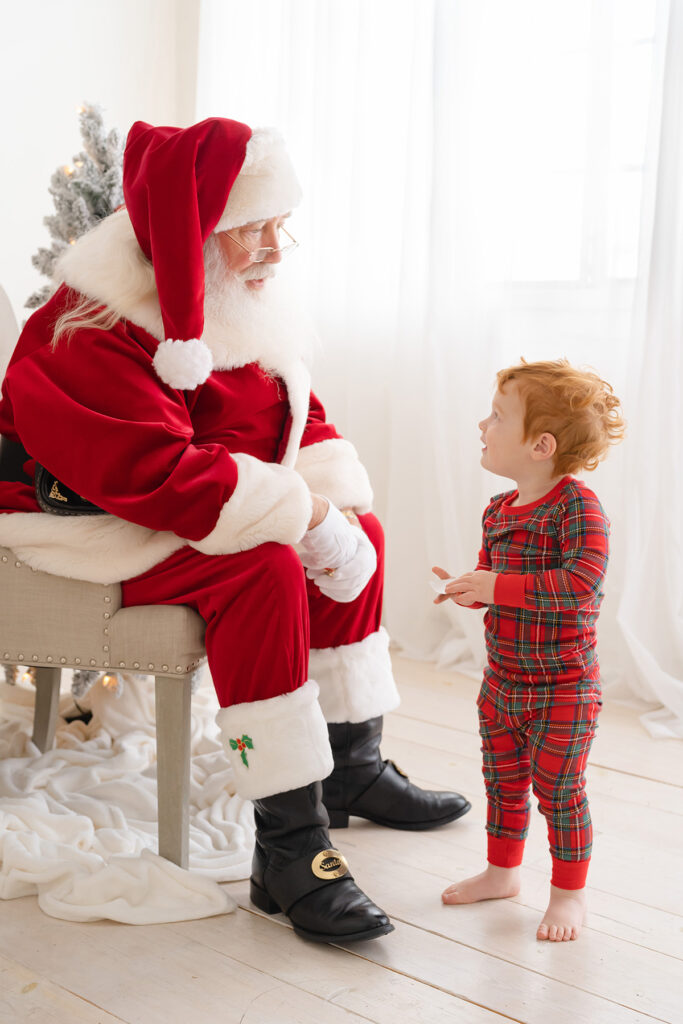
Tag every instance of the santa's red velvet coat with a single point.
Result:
(205, 491)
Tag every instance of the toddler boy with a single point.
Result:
(540, 572)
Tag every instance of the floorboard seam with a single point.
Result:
(45, 978)
(532, 970)
(433, 985)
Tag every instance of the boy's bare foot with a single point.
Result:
(492, 884)
(564, 916)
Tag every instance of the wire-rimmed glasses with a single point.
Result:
(259, 255)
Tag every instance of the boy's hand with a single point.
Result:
(473, 587)
(443, 575)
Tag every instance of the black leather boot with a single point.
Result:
(365, 785)
(297, 871)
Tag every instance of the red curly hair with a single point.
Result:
(579, 409)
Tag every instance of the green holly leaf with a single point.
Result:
(243, 755)
(233, 744)
(248, 742)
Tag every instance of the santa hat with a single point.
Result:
(179, 185)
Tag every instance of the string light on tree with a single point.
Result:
(113, 681)
(15, 674)
(84, 680)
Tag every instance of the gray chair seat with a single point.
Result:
(52, 623)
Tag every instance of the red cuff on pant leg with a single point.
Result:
(505, 853)
(569, 874)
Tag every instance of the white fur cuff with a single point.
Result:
(270, 503)
(99, 549)
(333, 468)
(356, 680)
(278, 744)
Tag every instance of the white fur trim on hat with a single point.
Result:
(269, 503)
(183, 364)
(284, 741)
(333, 468)
(266, 186)
(356, 680)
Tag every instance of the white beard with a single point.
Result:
(243, 326)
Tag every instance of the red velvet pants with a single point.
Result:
(262, 615)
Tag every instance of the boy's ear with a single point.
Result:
(544, 448)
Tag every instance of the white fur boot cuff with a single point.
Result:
(356, 680)
(278, 744)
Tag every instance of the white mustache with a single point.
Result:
(258, 271)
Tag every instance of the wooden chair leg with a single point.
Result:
(47, 705)
(172, 699)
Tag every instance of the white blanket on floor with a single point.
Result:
(78, 824)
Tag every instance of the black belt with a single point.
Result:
(51, 494)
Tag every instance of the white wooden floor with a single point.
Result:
(479, 964)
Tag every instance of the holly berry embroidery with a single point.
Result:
(243, 745)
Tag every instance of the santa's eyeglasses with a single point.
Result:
(259, 255)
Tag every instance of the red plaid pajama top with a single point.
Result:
(552, 557)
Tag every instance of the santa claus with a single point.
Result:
(160, 401)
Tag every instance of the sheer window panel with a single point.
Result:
(547, 240)
(635, 20)
(567, 125)
(564, 228)
(623, 223)
(629, 101)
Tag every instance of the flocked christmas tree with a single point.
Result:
(83, 192)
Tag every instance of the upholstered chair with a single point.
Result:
(51, 622)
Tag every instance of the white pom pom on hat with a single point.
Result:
(181, 184)
(183, 364)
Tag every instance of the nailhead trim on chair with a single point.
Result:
(21, 658)
(105, 631)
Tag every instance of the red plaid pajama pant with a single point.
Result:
(538, 736)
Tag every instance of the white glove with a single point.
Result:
(347, 582)
(331, 543)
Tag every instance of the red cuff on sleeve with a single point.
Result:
(510, 589)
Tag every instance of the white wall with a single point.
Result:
(136, 58)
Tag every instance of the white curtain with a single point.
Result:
(651, 607)
(474, 176)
